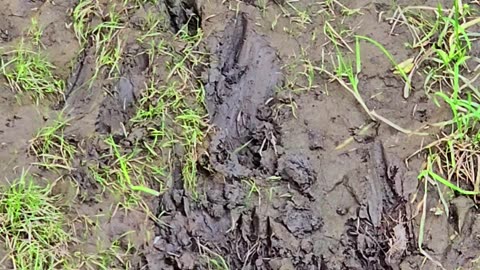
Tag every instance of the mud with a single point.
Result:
(278, 187)
(238, 103)
(184, 13)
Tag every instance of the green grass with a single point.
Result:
(346, 72)
(51, 148)
(214, 261)
(32, 225)
(126, 167)
(129, 175)
(29, 72)
(81, 16)
(172, 110)
(105, 35)
(444, 44)
(108, 45)
(35, 32)
(179, 122)
(454, 153)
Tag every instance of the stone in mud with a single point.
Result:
(281, 264)
(462, 253)
(296, 169)
(242, 78)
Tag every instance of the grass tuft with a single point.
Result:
(32, 226)
(51, 147)
(28, 72)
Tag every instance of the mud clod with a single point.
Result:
(301, 222)
(184, 12)
(296, 169)
(315, 140)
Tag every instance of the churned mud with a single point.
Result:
(287, 179)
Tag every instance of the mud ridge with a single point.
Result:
(241, 83)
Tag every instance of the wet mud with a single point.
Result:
(239, 103)
(285, 231)
(275, 189)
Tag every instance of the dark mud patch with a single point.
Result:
(119, 106)
(258, 237)
(297, 170)
(241, 82)
(227, 221)
(184, 13)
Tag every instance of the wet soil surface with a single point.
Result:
(276, 189)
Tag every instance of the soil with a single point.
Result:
(315, 205)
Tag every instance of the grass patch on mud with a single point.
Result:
(51, 147)
(442, 40)
(29, 72)
(169, 123)
(33, 226)
(453, 159)
(169, 112)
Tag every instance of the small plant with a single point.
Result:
(32, 225)
(35, 32)
(28, 72)
(51, 148)
(346, 74)
(122, 174)
(173, 113)
(253, 188)
(82, 14)
(213, 260)
(108, 45)
(262, 5)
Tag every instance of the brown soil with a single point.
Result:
(317, 207)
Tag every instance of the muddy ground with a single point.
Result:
(313, 206)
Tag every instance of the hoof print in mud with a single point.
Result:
(297, 170)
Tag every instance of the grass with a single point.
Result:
(108, 45)
(173, 110)
(455, 154)
(452, 160)
(29, 72)
(440, 53)
(179, 123)
(129, 175)
(213, 260)
(105, 35)
(124, 181)
(32, 225)
(51, 148)
(253, 189)
(346, 72)
(35, 32)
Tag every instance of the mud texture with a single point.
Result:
(184, 13)
(238, 102)
(279, 188)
